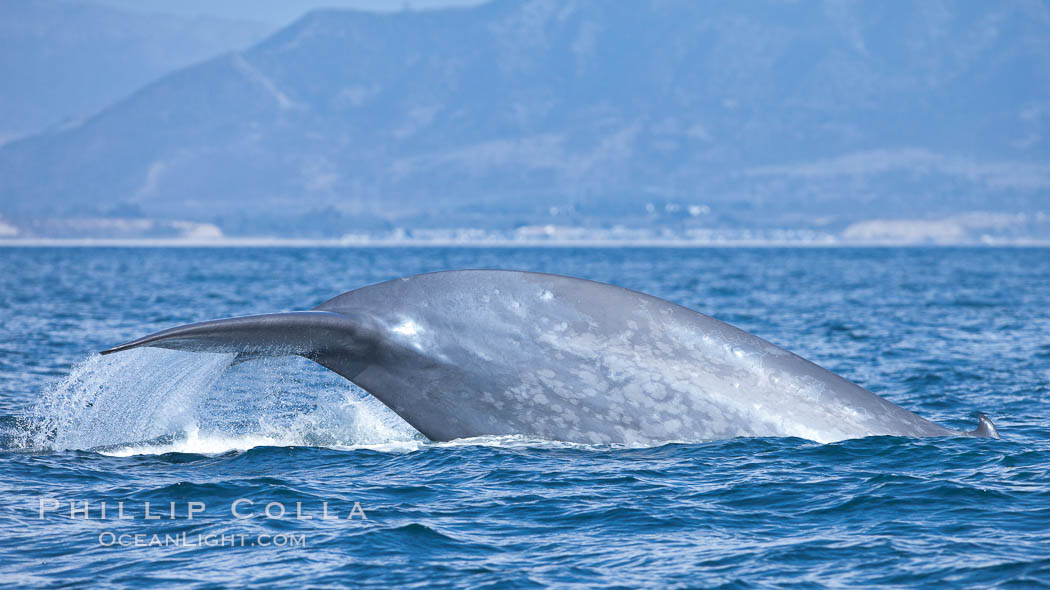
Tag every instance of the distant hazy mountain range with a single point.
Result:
(906, 121)
(63, 59)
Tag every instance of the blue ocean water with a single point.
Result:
(944, 332)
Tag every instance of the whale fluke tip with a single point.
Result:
(985, 428)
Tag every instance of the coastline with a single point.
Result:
(266, 242)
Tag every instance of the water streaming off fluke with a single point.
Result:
(151, 400)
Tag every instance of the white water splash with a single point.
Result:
(154, 401)
(193, 441)
(133, 396)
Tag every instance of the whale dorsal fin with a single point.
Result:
(985, 428)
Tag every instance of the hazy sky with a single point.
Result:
(278, 12)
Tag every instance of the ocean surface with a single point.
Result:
(240, 465)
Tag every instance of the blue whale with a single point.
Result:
(485, 352)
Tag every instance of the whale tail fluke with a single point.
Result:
(312, 334)
(985, 428)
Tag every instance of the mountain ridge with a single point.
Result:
(514, 114)
(64, 60)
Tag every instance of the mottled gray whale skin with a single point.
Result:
(482, 352)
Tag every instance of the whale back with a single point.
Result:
(469, 353)
(487, 352)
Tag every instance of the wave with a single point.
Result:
(197, 442)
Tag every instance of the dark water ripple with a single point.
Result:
(944, 332)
